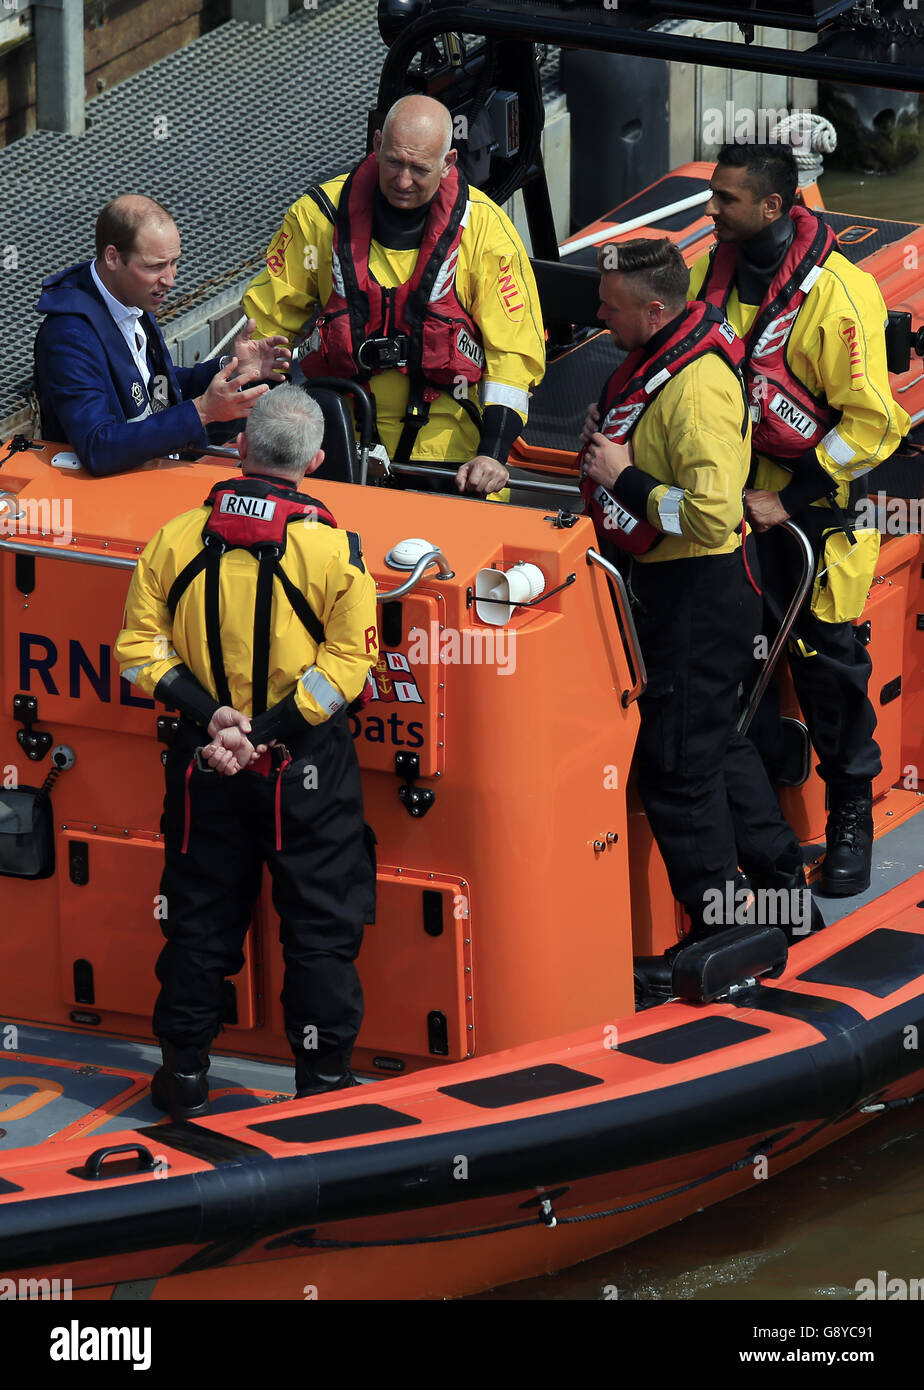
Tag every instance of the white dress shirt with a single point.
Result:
(128, 321)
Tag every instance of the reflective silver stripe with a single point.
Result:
(495, 393)
(839, 449)
(321, 690)
(336, 275)
(463, 220)
(132, 674)
(864, 468)
(446, 275)
(669, 511)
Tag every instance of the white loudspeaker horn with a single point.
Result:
(497, 592)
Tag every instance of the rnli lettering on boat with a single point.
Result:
(787, 410)
(262, 508)
(41, 667)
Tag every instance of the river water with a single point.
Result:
(850, 1211)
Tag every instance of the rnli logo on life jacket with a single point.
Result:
(259, 508)
(508, 291)
(774, 335)
(615, 517)
(726, 330)
(850, 337)
(276, 255)
(469, 348)
(792, 416)
(620, 420)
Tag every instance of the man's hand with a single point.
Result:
(604, 459)
(226, 717)
(260, 357)
(222, 400)
(231, 751)
(764, 509)
(482, 474)
(591, 424)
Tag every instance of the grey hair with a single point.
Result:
(284, 431)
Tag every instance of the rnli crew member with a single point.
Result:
(104, 377)
(813, 326)
(665, 472)
(253, 614)
(422, 290)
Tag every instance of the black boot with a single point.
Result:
(314, 1075)
(181, 1085)
(793, 908)
(849, 836)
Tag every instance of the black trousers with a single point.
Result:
(323, 886)
(831, 683)
(709, 802)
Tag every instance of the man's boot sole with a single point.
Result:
(843, 888)
(178, 1112)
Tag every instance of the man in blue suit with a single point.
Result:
(105, 380)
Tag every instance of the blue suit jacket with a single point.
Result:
(90, 391)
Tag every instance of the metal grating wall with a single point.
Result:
(226, 133)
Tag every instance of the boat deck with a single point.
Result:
(58, 1084)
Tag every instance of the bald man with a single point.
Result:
(105, 381)
(417, 285)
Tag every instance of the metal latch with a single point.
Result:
(417, 800)
(34, 744)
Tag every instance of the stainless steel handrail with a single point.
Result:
(59, 552)
(632, 647)
(516, 484)
(808, 565)
(432, 557)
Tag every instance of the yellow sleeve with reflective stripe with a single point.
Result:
(144, 648)
(700, 415)
(350, 645)
(496, 284)
(296, 277)
(838, 348)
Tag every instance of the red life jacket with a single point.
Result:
(419, 327)
(628, 394)
(789, 419)
(252, 514)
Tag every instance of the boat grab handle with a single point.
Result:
(94, 1168)
(627, 630)
(432, 557)
(798, 598)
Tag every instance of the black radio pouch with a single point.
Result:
(27, 846)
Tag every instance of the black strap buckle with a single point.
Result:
(200, 765)
(378, 354)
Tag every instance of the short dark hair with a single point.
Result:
(119, 221)
(770, 169)
(657, 267)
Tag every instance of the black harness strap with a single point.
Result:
(213, 623)
(262, 616)
(303, 610)
(183, 580)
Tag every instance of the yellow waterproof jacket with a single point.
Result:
(494, 283)
(695, 439)
(836, 349)
(317, 560)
